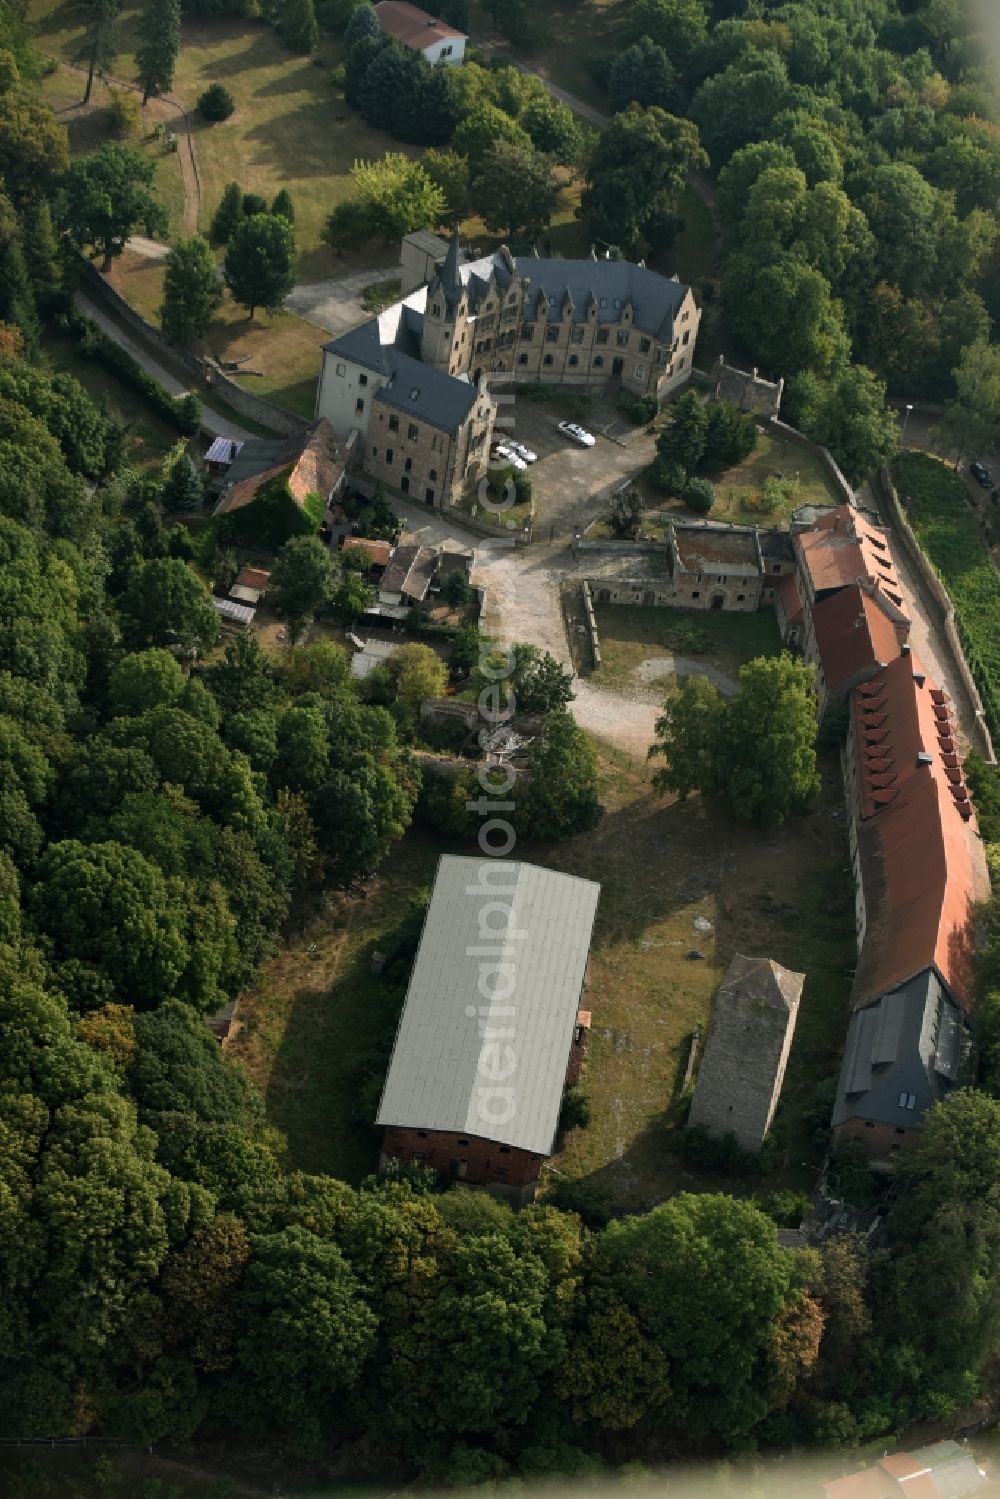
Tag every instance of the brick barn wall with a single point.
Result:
(507, 1171)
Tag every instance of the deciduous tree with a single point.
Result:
(192, 292)
(259, 268)
(561, 797)
(515, 190)
(302, 581)
(166, 603)
(106, 196)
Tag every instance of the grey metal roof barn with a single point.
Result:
(456, 1051)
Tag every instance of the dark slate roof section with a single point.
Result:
(425, 394)
(776, 546)
(655, 299)
(913, 1043)
(363, 345)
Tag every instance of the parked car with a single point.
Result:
(572, 430)
(501, 454)
(981, 474)
(521, 451)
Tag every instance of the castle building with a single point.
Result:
(413, 382)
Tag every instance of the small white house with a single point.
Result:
(437, 40)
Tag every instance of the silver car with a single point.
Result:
(577, 434)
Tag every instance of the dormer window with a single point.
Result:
(436, 310)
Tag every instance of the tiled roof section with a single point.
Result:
(841, 548)
(223, 450)
(314, 462)
(410, 571)
(705, 548)
(253, 577)
(787, 597)
(855, 634)
(920, 884)
(411, 25)
(380, 551)
(871, 1483)
(776, 546)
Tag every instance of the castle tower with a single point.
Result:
(445, 313)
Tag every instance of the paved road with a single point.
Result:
(335, 304)
(218, 426)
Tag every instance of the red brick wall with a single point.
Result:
(880, 1141)
(487, 1163)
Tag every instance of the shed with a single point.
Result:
(236, 616)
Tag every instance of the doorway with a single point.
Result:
(718, 600)
(617, 365)
(404, 483)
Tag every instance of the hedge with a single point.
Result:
(937, 505)
(183, 413)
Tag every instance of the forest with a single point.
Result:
(163, 1275)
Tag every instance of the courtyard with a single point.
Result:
(646, 652)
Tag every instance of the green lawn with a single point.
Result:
(630, 634)
(739, 495)
(937, 506)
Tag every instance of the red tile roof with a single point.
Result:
(411, 25)
(380, 551)
(854, 633)
(914, 837)
(900, 1465)
(788, 594)
(842, 548)
(871, 1483)
(253, 577)
(315, 460)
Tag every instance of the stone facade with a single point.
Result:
(424, 461)
(743, 1068)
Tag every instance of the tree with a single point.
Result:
(735, 107)
(183, 490)
(482, 130)
(730, 437)
(352, 596)
(515, 190)
(283, 207)
(539, 683)
(971, 421)
(847, 414)
(107, 907)
(40, 246)
(769, 741)
(297, 26)
(561, 797)
(684, 439)
(302, 581)
(191, 291)
(34, 149)
(636, 173)
(166, 603)
(160, 27)
(393, 197)
(420, 673)
(216, 103)
(227, 215)
(17, 300)
(259, 268)
(717, 1349)
(456, 590)
(100, 45)
(743, 169)
(803, 327)
(142, 680)
(699, 495)
(363, 22)
(643, 75)
(677, 25)
(106, 196)
(449, 172)
(553, 129)
(688, 736)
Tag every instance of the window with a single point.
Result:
(604, 301)
(374, 452)
(527, 330)
(407, 466)
(446, 51)
(602, 335)
(574, 360)
(547, 359)
(394, 424)
(740, 597)
(900, 1130)
(432, 473)
(414, 392)
(505, 1150)
(522, 358)
(576, 335)
(412, 432)
(618, 301)
(684, 317)
(388, 455)
(359, 404)
(869, 1124)
(362, 379)
(640, 372)
(682, 362)
(404, 484)
(437, 443)
(513, 297)
(907, 1100)
(644, 346)
(776, 567)
(695, 593)
(460, 1169)
(686, 338)
(552, 335)
(598, 362)
(436, 310)
(341, 369)
(623, 338)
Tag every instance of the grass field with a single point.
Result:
(738, 490)
(317, 1010)
(630, 635)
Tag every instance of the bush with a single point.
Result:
(788, 1208)
(699, 495)
(456, 589)
(639, 409)
(183, 414)
(253, 203)
(575, 1110)
(216, 103)
(669, 478)
(124, 113)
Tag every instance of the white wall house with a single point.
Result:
(416, 29)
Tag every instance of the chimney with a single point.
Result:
(904, 649)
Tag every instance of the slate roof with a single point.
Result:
(444, 1070)
(855, 633)
(776, 546)
(903, 1053)
(410, 571)
(427, 395)
(411, 25)
(569, 285)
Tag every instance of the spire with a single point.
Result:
(451, 282)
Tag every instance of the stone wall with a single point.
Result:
(983, 743)
(205, 377)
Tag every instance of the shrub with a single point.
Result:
(787, 1208)
(124, 114)
(639, 409)
(184, 415)
(575, 1110)
(669, 478)
(216, 103)
(522, 488)
(699, 495)
(253, 203)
